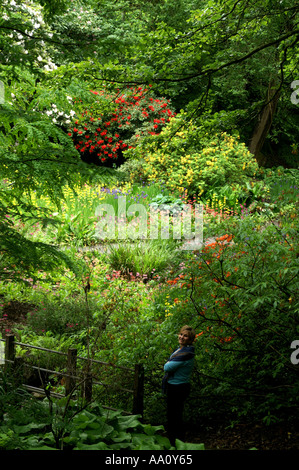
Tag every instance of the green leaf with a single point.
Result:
(151, 430)
(98, 446)
(122, 436)
(180, 445)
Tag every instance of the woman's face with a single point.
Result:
(183, 338)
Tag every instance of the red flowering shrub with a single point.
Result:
(116, 121)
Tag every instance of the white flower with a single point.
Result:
(39, 58)
(72, 113)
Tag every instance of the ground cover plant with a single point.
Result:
(60, 425)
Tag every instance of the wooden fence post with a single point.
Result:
(70, 381)
(138, 390)
(13, 364)
(9, 351)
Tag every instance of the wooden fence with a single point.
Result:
(71, 378)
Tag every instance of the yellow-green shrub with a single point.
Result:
(193, 161)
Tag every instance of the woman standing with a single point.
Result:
(178, 370)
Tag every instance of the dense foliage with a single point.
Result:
(65, 426)
(211, 160)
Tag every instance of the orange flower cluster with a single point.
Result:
(225, 239)
(226, 340)
(217, 246)
(198, 335)
(174, 281)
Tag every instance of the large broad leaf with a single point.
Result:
(163, 442)
(143, 442)
(99, 431)
(121, 446)
(84, 419)
(122, 436)
(42, 448)
(128, 422)
(98, 446)
(28, 428)
(151, 430)
(36, 443)
(180, 445)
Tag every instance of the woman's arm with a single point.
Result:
(171, 366)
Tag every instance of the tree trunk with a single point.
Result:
(264, 123)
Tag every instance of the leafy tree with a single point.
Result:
(36, 154)
(235, 57)
(241, 295)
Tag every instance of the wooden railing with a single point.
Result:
(72, 377)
